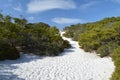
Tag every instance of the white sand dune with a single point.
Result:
(73, 64)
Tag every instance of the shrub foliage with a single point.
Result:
(17, 35)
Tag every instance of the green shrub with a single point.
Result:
(116, 74)
(8, 52)
(103, 51)
(89, 41)
(68, 34)
(106, 49)
(66, 44)
(116, 58)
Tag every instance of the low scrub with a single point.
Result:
(116, 59)
(8, 52)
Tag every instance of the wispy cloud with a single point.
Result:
(62, 20)
(117, 1)
(18, 7)
(10, 0)
(35, 6)
(31, 18)
(88, 5)
(113, 1)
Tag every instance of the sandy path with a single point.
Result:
(73, 64)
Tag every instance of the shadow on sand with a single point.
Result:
(7, 66)
(6, 74)
(67, 51)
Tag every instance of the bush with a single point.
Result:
(116, 59)
(89, 41)
(8, 52)
(116, 74)
(68, 34)
(66, 44)
(36, 38)
(107, 49)
(103, 51)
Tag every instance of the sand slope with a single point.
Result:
(73, 64)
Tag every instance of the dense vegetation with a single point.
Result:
(116, 58)
(101, 36)
(74, 31)
(17, 35)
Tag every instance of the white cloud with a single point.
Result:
(35, 6)
(88, 5)
(18, 7)
(62, 20)
(31, 18)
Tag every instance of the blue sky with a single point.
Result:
(61, 13)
